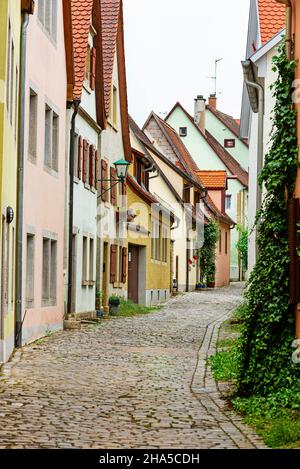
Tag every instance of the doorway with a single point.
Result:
(133, 273)
(104, 275)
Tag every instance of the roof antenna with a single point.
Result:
(216, 75)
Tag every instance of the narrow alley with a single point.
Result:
(138, 382)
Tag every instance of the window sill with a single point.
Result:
(29, 304)
(51, 171)
(32, 159)
(76, 180)
(48, 302)
(114, 126)
(87, 186)
(92, 283)
(84, 283)
(87, 88)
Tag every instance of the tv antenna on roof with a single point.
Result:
(216, 75)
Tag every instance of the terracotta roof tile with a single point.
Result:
(81, 18)
(110, 11)
(213, 179)
(272, 18)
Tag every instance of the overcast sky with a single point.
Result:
(171, 46)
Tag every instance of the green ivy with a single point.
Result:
(207, 254)
(269, 328)
(242, 245)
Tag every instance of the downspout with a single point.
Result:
(76, 104)
(260, 142)
(20, 184)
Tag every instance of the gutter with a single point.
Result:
(257, 108)
(76, 104)
(20, 185)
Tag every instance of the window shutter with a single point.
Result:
(96, 168)
(113, 191)
(79, 166)
(124, 265)
(113, 263)
(93, 68)
(103, 182)
(91, 169)
(85, 145)
(293, 241)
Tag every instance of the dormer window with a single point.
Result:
(87, 70)
(114, 106)
(90, 67)
(229, 143)
(183, 131)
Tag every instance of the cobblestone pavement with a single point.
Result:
(138, 382)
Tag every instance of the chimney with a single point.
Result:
(200, 108)
(212, 101)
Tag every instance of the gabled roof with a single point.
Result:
(272, 16)
(113, 42)
(231, 164)
(213, 179)
(110, 13)
(229, 121)
(208, 202)
(81, 20)
(185, 160)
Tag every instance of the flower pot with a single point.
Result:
(114, 309)
(211, 284)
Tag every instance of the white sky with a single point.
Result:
(171, 46)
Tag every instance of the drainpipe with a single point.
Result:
(289, 16)
(20, 183)
(260, 143)
(76, 104)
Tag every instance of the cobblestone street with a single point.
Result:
(138, 382)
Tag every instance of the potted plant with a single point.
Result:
(114, 304)
(200, 286)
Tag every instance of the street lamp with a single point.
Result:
(121, 167)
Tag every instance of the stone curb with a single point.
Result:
(207, 392)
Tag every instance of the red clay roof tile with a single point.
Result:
(110, 11)
(81, 18)
(272, 18)
(213, 179)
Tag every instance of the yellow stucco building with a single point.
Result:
(148, 235)
(10, 29)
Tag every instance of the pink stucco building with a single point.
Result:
(47, 89)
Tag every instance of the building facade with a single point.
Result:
(10, 29)
(210, 154)
(48, 86)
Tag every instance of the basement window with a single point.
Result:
(183, 131)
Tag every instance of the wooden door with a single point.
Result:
(133, 273)
(105, 275)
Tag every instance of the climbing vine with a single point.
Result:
(207, 254)
(242, 245)
(268, 331)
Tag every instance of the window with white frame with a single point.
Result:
(49, 273)
(32, 139)
(228, 202)
(164, 244)
(84, 259)
(51, 138)
(30, 242)
(47, 14)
